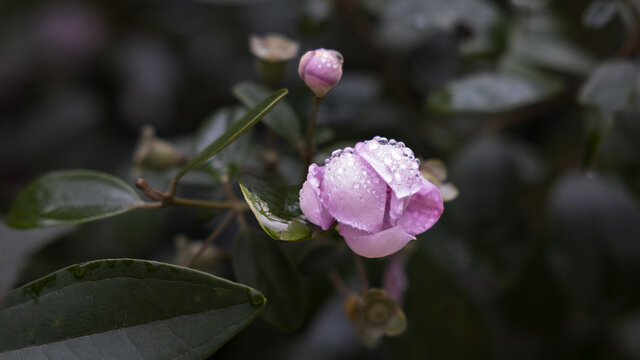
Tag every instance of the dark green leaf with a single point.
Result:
(610, 86)
(235, 130)
(277, 208)
(491, 92)
(599, 13)
(259, 262)
(124, 309)
(16, 245)
(227, 161)
(71, 196)
(282, 119)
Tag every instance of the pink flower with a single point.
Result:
(376, 193)
(321, 70)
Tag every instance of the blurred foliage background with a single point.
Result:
(534, 106)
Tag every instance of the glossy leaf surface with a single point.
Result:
(124, 309)
(71, 196)
(277, 208)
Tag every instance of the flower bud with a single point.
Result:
(154, 153)
(321, 70)
(272, 51)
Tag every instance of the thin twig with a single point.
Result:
(210, 239)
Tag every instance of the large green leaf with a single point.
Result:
(491, 92)
(227, 162)
(277, 208)
(235, 130)
(282, 119)
(71, 196)
(124, 309)
(259, 262)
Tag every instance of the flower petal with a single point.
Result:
(397, 206)
(353, 192)
(373, 245)
(424, 209)
(395, 164)
(310, 203)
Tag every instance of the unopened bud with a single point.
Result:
(154, 153)
(321, 70)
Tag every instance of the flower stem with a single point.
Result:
(310, 149)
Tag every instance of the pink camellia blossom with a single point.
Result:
(321, 70)
(376, 193)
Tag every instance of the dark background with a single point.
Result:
(539, 256)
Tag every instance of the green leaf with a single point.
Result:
(277, 208)
(610, 87)
(599, 13)
(227, 162)
(282, 119)
(71, 196)
(491, 92)
(124, 309)
(259, 262)
(16, 246)
(235, 130)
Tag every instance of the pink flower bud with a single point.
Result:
(376, 193)
(321, 70)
